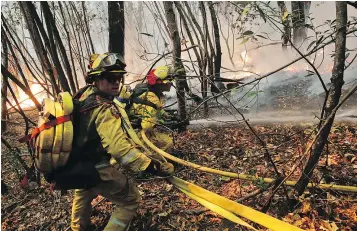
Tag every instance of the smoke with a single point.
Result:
(289, 89)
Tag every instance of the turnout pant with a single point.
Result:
(118, 189)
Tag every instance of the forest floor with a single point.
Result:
(230, 148)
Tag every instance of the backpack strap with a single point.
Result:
(80, 92)
(93, 101)
(47, 125)
(129, 102)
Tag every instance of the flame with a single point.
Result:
(25, 101)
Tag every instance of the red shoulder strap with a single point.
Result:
(49, 124)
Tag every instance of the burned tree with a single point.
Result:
(52, 26)
(285, 18)
(333, 96)
(116, 27)
(4, 83)
(176, 59)
(29, 15)
(298, 21)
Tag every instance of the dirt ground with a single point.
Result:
(231, 148)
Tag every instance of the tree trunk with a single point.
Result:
(81, 25)
(177, 62)
(207, 37)
(16, 61)
(217, 39)
(207, 61)
(25, 61)
(49, 43)
(116, 27)
(79, 54)
(53, 30)
(218, 55)
(333, 97)
(286, 22)
(69, 45)
(4, 83)
(193, 21)
(37, 42)
(87, 27)
(15, 40)
(188, 32)
(52, 23)
(49, 33)
(298, 21)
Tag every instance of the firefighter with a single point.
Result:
(147, 105)
(100, 129)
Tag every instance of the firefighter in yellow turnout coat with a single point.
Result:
(101, 134)
(150, 110)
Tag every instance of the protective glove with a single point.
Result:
(166, 169)
(160, 169)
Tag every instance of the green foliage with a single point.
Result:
(260, 183)
(245, 11)
(248, 33)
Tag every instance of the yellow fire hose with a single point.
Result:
(341, 188)
(223, 206)
(223, 212)
(234, 207)
(215, 208)
(131, 132)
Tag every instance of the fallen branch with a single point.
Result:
(253, 194)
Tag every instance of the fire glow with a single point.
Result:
(25, 101)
